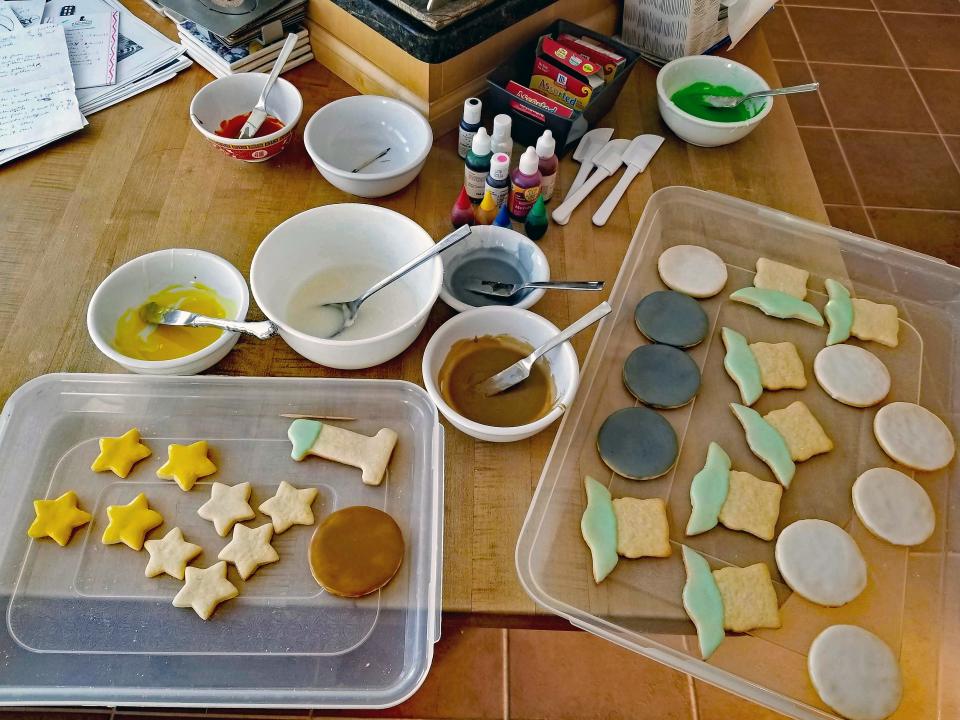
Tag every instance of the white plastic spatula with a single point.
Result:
(608, 161)
(590, 144)
(637, 156)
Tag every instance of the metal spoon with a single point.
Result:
(348, 310)
(725, 101)
(520, 370)
(156, 314)
(259, 112)
(504, 290)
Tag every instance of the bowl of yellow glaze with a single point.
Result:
(191, 280)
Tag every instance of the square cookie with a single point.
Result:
(642, 529)
(773, 275)
(804, 435)
(749, 599)
(780, 365)
(875, 321)
(752, 505)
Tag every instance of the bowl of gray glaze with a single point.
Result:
(497, 254)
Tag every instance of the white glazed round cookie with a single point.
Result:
(821, 562)
(893, 506)
(692, 270)
(913, 436)
(855, 673)
(851, 375)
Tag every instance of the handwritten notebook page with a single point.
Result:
(9, 21)
(29, 11)
(92, 44)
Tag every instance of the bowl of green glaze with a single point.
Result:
(681, 85)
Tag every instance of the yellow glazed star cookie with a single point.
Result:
(204, 589)
(120, 454)
(752, 505)
(773, 275)
(875, 321)
(170, 555)
(803, 434)
(290, 506)
(130, 523)
(780, 365)
(749, 599)
(187, 463)
(58, 518)
(642, 529)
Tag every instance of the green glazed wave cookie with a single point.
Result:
(708, 491)
(766, 443)
(741, 365)
(703, 602)
(778, 304)
(599, 529)
(839, 312)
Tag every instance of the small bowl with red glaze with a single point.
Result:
(218, 105)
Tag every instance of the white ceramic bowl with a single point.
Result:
(133, 282)
(684, 71)
(341, 235)
(530, 262)
(521, 324)
(347, 132)
(232, 95)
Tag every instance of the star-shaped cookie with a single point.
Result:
(227, 505)
(130, 523)
(120, 454)
(249, 549)
(186, 463)
(205, 589)
(58, 518)
(289, 506)
(170, 555)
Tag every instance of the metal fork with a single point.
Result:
(726, 101)
(504, 290)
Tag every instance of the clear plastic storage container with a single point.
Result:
(912, 598)
(84, 625)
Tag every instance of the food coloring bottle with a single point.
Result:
(503, 217)
(469, 125)
(501, 141)
(487, 210)
(524, 185)
(477, 166)
(498, 181)
(548, 166)
(536, 224)
(462, 213)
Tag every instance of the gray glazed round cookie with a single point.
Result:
(661, 376)
(637, 443)
(671, 318)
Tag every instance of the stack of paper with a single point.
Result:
(239, 21)
(253, 56)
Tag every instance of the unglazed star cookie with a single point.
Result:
(130, 523)
(289, 506)
(170, 554)
(227, 505)
(120, 454)
(186, 464)
(204, 589)
(58, 518)
(249, 549)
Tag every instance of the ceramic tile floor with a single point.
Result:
(883, 137)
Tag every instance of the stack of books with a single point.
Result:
(221, 59)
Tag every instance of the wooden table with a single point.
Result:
(140, 178)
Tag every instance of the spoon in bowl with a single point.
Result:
(732, 101)
(156, 314)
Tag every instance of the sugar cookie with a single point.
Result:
(766, 443)
(821, 562)
(598, 525)
(642, 529)
(778, 304)
(130, 523)
(58, 518)
(893, 506)
(637, 443)
(875, 321)
(671, 318)
(851, 375)
(290, 506)
(227, 505)
(780, 365)
(186, 464)
(249, 549)
(839, 312)
(708, 491)
(741, 365)
(370, 454)
(702, 601)
(752, 505)
(170, 554)
(855, 673)
(120, 454)
(773, 275)
(913, 436)
(204, 589)
(749, 598)
(804, 435)
(661, 376)
(692, 270)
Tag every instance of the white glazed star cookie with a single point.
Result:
(170, 555)
(227, 505)
(289, 506)
(204, 589)
(249, 549)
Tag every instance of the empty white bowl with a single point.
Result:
(344, 134)
(523, 325)
(527, 258)
(343, 235)
(132, 283)
(685, 71)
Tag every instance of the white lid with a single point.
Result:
(500, 166)
(529, 161)
(471, 110)
(481, 142)
(546, 145)
(501, 126)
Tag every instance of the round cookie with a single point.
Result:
(893, 506)
(855, 673)
(671, 318)
(913, 436)
(661, 376)
(821, 562)
(851, 375)
(692, 270)
(637, 443)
